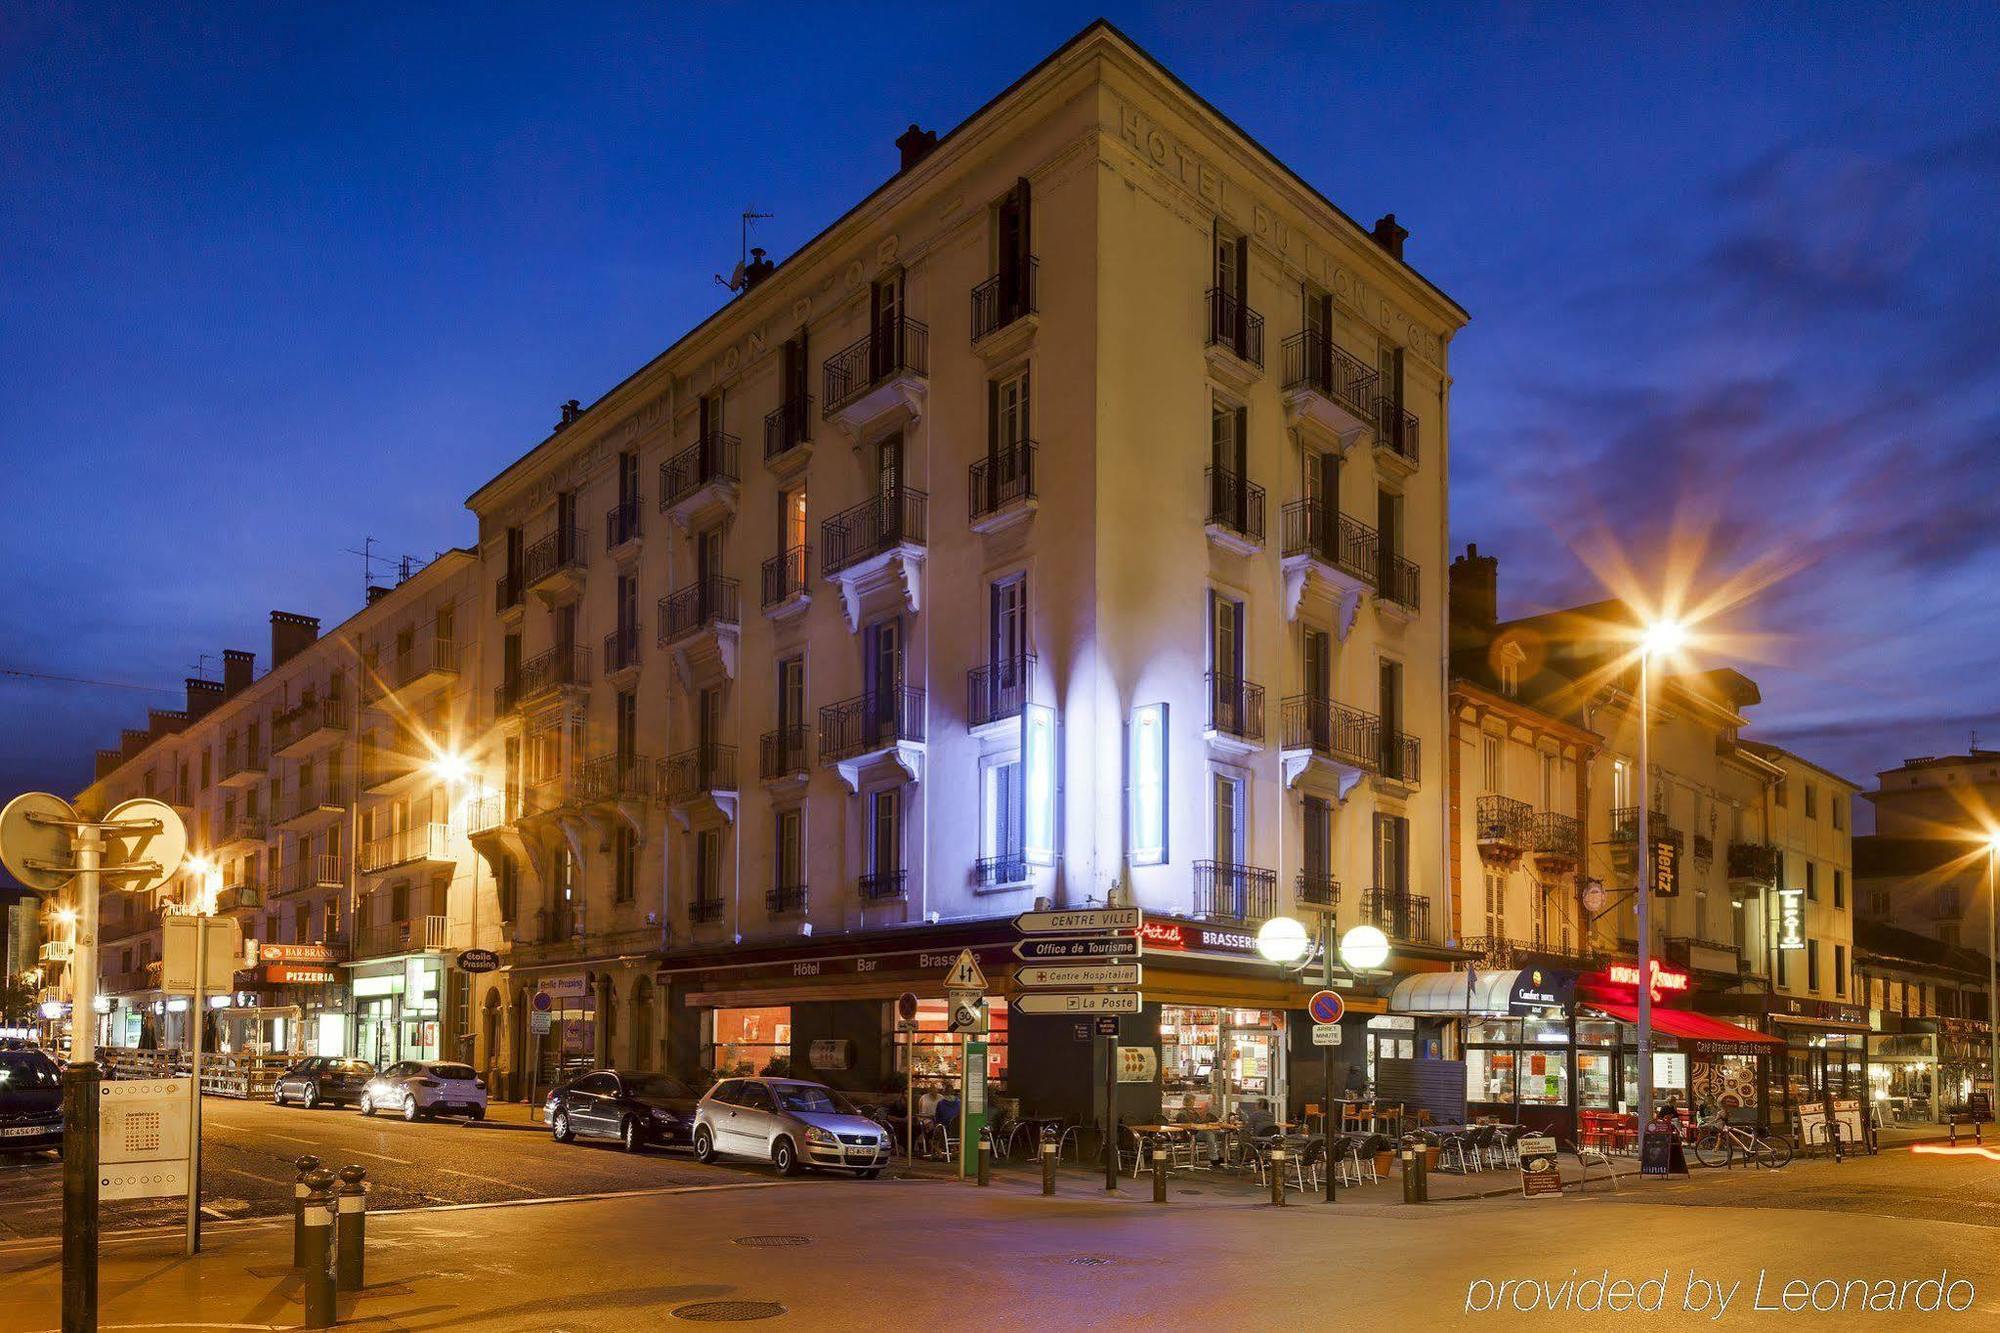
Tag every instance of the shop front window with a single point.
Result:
(1217, 1062)
(938, 1051)
(751, 1041)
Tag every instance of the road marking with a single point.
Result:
(361, 1152)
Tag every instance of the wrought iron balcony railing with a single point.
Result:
(1316, 364)
(1315, 530)
(1558, 837)
(1753, 862)
(998, 690)
(705, 602)
(1317, 889)
(1346, 735)
(787, 426)
(785, 574)
(884, 886)
(703, 770)
(1007, 868)
(1401, 916)
(1502, 821)
(1233, 325)
(1235, 707)
(1003, 298)
(712, 458)
(1396, 428)
(894, 347)
(565, 548)
(871, 721)
(1227, 892)
(1000, 479)
(878, 524)
(1235, 504)
(621, 524)
(783, 753)
(621, 649)
(786, 900)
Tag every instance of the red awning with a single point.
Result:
(1698, 1033)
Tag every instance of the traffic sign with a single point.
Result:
(1071, 923)
(906, 1006)
(1079, 1002)
(33, 843)
(1091, 972)
(965, 974)
(543, 1002)
(1083, 946)
(539, 1022)
(1326, 1034)
(155, 837)
(1106, 1027)
(1326, 1006)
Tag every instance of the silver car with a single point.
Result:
(422, 1088)
(789, 1123)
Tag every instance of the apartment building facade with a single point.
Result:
(985, 554)
(1924, 869)
(317, 816)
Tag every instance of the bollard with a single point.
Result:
(305, 1167)
(1159, 1174)
(1048, 1162)
(350, 1228)
(1410, 1157)
(1277, 1175)
(985, 1158)
(319, 1250)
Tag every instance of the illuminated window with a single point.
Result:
(1146, 784)
(745, 1042)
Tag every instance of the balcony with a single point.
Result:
(705, 771)
(881, 372)
(996, 693)
(1558, 842)
(242, 830)
(56, 951)
(621, 654)
(244, 895)
(426, 844)
(783, 756)
(1235, 519)
(1003, 311)
(621, 528)
(785, 582)
(788, 434)
(1752, 866)
(1232, 893)
(1403, 917)
(508, 595)
(1499, 952)
(1625, 827)
(308, 727)
(704, 911)
(884, 886)
(1401, 761)
(1235, 339)
(1704, 849)
(998, 872)
(1395, 435)
(408, 760)
(698, 485)
(544, 674)
(1327, 388)
(1502, 828)
(1000, 488)
(1235, 714)
(699, 626)
(788, 900)
(882, 727)
(1398, 586)
(312, 805)
(323, 871)
(553, 567)
(1328, 556)
(1328, 744)
(876, 548)
(1317, 890)
(420, 668)
(242, 769)
(491, 814)
(425, 934)
(613, 779)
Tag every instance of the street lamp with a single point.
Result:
(1993, 956)
(1282, 940)
(451, 768)
(1660, 638)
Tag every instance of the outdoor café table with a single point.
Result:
(1159, 1132)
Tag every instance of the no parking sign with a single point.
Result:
(1326, 1006)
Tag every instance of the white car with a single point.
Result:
(789, 1123)
(422, 1088)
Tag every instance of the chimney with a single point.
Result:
(1390, 236)
(571, 410)
(133, 740)
(1475, 595)
(107, 763)
(758, 269)
(915, 145)
(202, 697)
(162, 722)
(291, 634)
(376, 592)
(238, 670)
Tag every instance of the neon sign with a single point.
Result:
(1664, 978)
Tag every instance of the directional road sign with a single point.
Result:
(1079, 1002)
(1086, 946)
(1067, 976)
(965, 974)
(1072, 923)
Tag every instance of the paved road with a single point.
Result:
(248, 1149)
(886, 1255)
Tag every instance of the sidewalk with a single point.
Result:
(512, 1115)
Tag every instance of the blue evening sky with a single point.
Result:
(278, 278)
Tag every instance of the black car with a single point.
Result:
(322, 1080)
(30, 1102)
(634, 1108)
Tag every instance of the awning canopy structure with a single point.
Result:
(1698, 1034)
(1454, 993)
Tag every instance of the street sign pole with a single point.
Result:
(1111, 1113)
(1326, 1057)
(79, 1312)
(195, 1015)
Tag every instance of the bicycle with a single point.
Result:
(1718, 1143)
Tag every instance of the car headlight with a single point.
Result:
(662, 1116)
(814, 1134)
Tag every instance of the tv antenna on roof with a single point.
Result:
(735, 282)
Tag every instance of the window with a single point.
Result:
(1779, 796)
(1840, 970)
(1007, 415)
(1837, 807)
(1001, 824)
(1318, 860)
(1228, 699)
(708, 866)
(1812, 801)
(791, 698)
(1389, 692)
(1621, 784)
(1839, 888)
(624, 864)
(885, 843)
(507, 886)
(749, 1041)
(1784, 967)
(1812, 882)
(1228, 831)
(1489, 750)
(625, 718)
(1551, 773)
(1228, 449)
(1007, 628)
(788, 851)
(1812, 966)
(1496, 906)
(1392, 854)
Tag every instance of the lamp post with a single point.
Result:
(1660, 638)
(1992, 961)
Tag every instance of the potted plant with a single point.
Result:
(1385, 1156)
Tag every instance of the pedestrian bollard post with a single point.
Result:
(1278, 1175)
(985, 1157)
(1159, 1173)
(350, 1228)
(319, 1250)
(1049, 1149)
(305, 1166)
(1409, 1159)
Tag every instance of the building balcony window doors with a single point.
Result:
(883, 878)
(1324, 387)
(1235, 332)
(1000, 487)
(788, 426)
(1003, 306)
(1235, 504)
(886, 369)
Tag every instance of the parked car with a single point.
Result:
(322, 1080)
(634, 1108)
(790, 1123)
(423, 1088)
(30, 1102)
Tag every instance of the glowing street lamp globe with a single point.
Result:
(451, 768)
(51, 1010)
(1364, 949)
(1663, 637)
(1282, 940)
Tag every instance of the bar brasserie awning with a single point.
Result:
(1698, 1033)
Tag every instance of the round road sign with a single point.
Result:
(164, 849)
(1326, 1006)
(542, 1002)
(23, 840)
(906, 1006)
